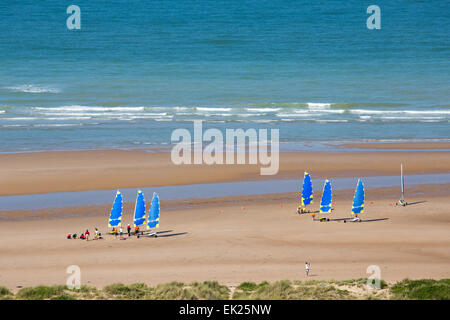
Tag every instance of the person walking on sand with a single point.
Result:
(129, 230)
(87, 234)
(307, 266)
(121, 232)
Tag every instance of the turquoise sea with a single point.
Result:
(137, 70)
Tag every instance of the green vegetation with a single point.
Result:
(40, 292)
(287, 290)
(64, 297)
(251, 286)
(212, 290)
(173, 291)
(425, 289)
(5, 293)
(135, 291)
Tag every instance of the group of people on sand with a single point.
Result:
(119, 232)
(97, 235)
(85, 235)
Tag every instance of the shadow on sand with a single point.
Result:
(349, 220)
(417, 202)
(373, 220)
(172, 234)
(165, 231)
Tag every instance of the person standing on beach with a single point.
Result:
(87, 234)
(121, 232)
(129, 230)
(307, 265)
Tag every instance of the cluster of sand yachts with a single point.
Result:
(326, 202)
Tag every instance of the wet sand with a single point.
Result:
(66, 171)
(399, 145)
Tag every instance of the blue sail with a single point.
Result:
(358, 199)
(327, 198)
(307, 192)
(153, 215)
(139, 211)
(115, 219)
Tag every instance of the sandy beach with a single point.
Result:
(247, 238)
(232, 240)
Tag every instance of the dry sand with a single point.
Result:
(113, 169)
(255, 238)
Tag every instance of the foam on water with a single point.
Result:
(212, 109)
(263, 110)
(29, 88)
(415, 112)
(315, 112)
(89, 108)
(318, 106)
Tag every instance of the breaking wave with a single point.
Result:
(30, 88)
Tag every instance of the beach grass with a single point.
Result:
(210, 290)
(353, 289)
(5, 293)
(173, 291)
(207, 290)
(135, 291)
(287, 290)
(64, 297)
(41, 292)
(425, 289)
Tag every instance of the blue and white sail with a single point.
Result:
(115, 218)
(358, 199)
(139, 210)
(327, 198)
(307, 191)
(153, 215)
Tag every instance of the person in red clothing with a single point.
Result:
(87, 234)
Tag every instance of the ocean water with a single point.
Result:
(137, 70)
